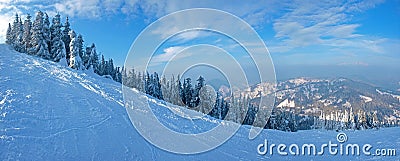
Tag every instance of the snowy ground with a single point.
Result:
(49, 112)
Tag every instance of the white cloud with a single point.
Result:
(321, 23)
(168, 54)
(85, 8)
(111, 6)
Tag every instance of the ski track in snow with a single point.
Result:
(50, 112)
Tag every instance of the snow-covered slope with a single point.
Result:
(50, 112)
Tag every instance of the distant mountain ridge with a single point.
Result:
(311, 96)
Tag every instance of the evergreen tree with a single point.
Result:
(131, 79)
(80, 41)
(244, 107)
(140, 81)
(86, 57)
(233, 110)
(17, 33)
(124, 76)
(199, 85)
(176, 91)
(165, 89)
(118, 75)
(292, 122)
(18, 45)
(157, 93)
(147, 83)
(375, 121)
(251, 114)
(173, 91)
(352, 120)
(110, 68)
(39, 45)
(26, 39)
(224, 110)
(187, 91)
(272, 120)
(9, 34)
(58, 47)
(47, 33)
(180, 91)
(66, 38)
(15, 30)
(102, 65)
(75, 59)
(207, 99)
(93, 59)
(216, 110)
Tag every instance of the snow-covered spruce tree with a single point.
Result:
(157, 87)
(86, 57)
(101, 66)
(375, 120)
(57, 45)
(66, 38)
(14, 30)
(94, 58)
(124, 76)
(175, 89)
(198, 86)
(250, 116)
(110, 70)
(131, 79)
(207, 99)
(79, 40)
(187, 92)
(46, 33)
(9, 34)
(292, 122)
(182, 92)
(140, 82)
(18, 43)
(219, 110)
(38, 42)
(146, 79)
(165, 86)
(75, 61)
(151, 85)
(17, 33)
(225, 110)
(26, 38)
(179, 88)
(118, 75)
(272, 120)
(215, 112)
(244, 106)
(233, 109)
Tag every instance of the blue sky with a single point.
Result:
(338, 33)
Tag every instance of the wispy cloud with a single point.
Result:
(321, 23)
(85, 8)
(168, 54)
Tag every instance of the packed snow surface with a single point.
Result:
(51, 112)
